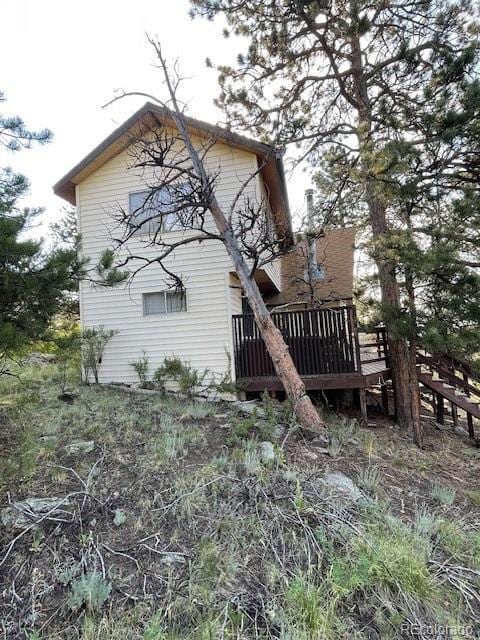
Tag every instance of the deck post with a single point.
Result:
(454, 414)
(471, 430)
(440, 412)
(384, 390)
(352, 316)
(363, 406)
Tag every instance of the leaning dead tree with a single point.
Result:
(182, 195)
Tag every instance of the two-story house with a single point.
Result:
(196, 327)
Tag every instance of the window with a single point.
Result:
(155, 209)
(164, 302)
(318, 274)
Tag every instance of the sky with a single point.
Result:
(60, 61)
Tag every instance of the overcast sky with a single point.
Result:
(62, 60)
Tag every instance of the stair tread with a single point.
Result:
(467, 403)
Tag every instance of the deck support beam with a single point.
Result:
(362, 395)
(454, 414)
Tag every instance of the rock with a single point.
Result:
(80, 446)
(279, 431)
(267, 452)
(67, 397)
(342, 484)
(172, 558)
(322, 451)
(119, 517)
(22, 514)
(39, 359)
(249, 408)
(47, 438)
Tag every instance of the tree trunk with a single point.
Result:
(404, 378)
(274, 342)
(402, 354)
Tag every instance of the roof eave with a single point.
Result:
(145, 118)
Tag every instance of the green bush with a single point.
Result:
(93, 342)
(443, 494)
(141, 368)
(190, 380)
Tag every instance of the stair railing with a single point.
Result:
(456, 373)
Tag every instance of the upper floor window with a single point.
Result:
(318, 273)
(164, 302)
(153, 211)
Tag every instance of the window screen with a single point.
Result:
(164, 302)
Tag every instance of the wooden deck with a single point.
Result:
(324, 344)
(372, 373)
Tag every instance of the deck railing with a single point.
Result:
(321, 342)
(375, 349)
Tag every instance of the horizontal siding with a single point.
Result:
(272, 269)
(274, 272)
(202, 335)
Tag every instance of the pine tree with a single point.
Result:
(364, 77)
(33, 281)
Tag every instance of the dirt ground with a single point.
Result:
(178, 520)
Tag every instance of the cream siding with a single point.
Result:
(272, 269)
(202, 335)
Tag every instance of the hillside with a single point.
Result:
(166, 519)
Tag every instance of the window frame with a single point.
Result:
(165, 293)
(145, 230)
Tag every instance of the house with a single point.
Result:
(197, 327)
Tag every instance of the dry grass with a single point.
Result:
(175, 528)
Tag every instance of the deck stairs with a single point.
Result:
(450, 380)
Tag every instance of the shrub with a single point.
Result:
(309, 610)
(93, 342)
(443, 494)
(90, 590)
(387, 558)
(474, 496)
(190, 380)
(173, 439)
(198, 410)
(172, 367)
(251, 457)
(424, 523)
(452, 537)
(141, 368)
(369, 479)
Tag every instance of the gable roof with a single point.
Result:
(152, 115)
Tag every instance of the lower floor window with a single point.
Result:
(163, 302)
